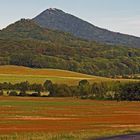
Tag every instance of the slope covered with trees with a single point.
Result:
(27, 44)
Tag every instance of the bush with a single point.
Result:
(22, 94)
(129, 92)
(35, 94)
(62, 90)
(13, 93)
(1, 93)
(84, 88)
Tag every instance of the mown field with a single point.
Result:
(16, 74)
(24, 118)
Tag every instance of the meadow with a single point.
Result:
(26, 118)
(17, 74)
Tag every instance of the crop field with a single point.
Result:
(26, 118)
(16, 74)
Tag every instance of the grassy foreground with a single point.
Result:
(17, 74)
(65, 118)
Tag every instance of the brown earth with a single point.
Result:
(66, 115)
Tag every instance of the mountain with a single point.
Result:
(25, 43)
(28, 29)
(58, 20)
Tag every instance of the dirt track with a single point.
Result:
(122, 137)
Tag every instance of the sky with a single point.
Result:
(115, 15)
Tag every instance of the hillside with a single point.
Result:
(20, 70)
(59, 20)
(25, 43)
(16, 74)
(28, 29)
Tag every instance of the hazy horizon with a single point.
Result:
(119, 16)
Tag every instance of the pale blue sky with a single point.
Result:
(116, 15)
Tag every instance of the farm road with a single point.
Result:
(122, 137)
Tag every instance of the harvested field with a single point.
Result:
(24, 115)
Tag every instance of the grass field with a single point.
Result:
(16, 74)
(65, 118)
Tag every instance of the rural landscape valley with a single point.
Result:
(64, 78)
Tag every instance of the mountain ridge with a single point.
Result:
(57, 19)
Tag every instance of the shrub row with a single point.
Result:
(84, 90)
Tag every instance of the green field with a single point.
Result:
(32, 78)
(16, 74)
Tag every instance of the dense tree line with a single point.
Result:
(84, 90)
(129, 91)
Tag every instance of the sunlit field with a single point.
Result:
(16, 74)
(65, 118)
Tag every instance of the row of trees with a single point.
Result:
(110, 91)
(85, 90)
(20, 89)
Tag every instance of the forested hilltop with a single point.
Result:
(27, 44)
